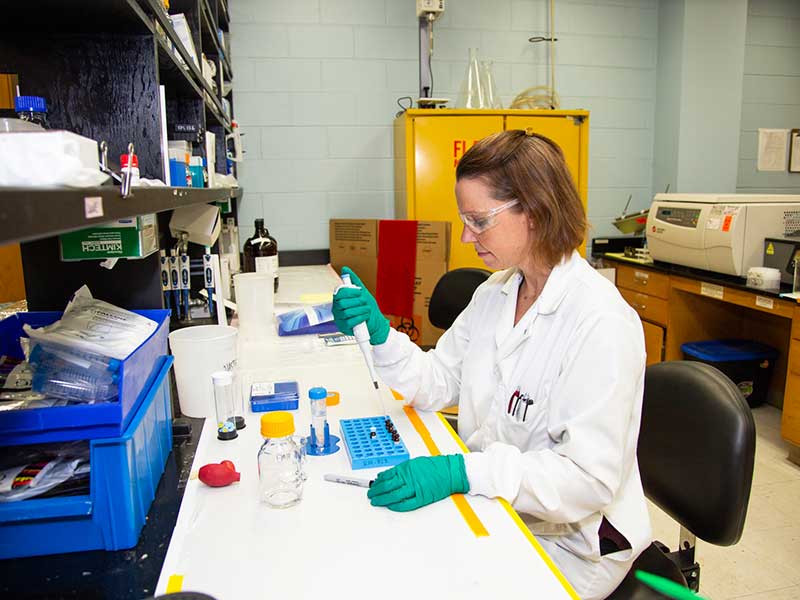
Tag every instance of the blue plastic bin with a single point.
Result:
(82, 422)
(125, 472)
(747, 363)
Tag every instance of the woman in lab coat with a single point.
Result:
(546, 365)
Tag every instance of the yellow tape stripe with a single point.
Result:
(461, 503)
(535, 543)
(175, 584)
(520, 523)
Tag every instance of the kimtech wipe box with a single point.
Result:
(136, 237)
(354, 243)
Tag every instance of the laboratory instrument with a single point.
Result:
(175, 282)
(781, 253)
(348, 480)
(719, 232)
(280, 462)
(362, 338)
(472, 93)
(208, 279)
(225, 405)
(166, 282)
(185, 283)
(383, 449)
(427, 12)
(320, 442)
(219, 475)
(261, 253)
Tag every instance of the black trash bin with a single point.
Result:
(747, 363)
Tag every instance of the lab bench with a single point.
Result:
(679, 304)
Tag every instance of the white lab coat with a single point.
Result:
(577, 360)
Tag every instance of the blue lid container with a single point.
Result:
(729, 350)
(35, 104)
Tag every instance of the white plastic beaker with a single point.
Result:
(255, 302)
(200, 351)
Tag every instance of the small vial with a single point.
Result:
(373, 433)
(224, 404)
(123, 164)
(319, 414)
(32, 109)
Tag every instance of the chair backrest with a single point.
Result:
(696, 448)
(453, 293)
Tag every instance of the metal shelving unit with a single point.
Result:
(100, 65)
(31, 213)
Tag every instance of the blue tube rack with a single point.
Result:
(366, 452)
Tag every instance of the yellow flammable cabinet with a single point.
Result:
(429, 142)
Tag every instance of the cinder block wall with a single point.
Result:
(316, 84)
(771, 89)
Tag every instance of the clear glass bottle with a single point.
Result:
(490, 97)
(261, 252)
(471, 94)
(280, 463)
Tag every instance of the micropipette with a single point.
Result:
(362, 338)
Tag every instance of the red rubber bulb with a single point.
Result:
(219, 475)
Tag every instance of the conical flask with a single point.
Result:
(471, 94)
(490, 97)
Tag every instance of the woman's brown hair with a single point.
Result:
(528, 167)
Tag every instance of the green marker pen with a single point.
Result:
(667, 587)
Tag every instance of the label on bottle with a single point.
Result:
(267, 264)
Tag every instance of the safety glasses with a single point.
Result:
(478, 222)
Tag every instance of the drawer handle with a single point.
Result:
(639, 306)
(641, 277)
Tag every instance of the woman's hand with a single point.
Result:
(354, 305)
(419, 482)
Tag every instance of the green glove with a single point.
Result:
(419, 482)
(352, 306)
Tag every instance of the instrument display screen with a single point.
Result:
(682, 217)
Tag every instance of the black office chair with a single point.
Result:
(453, 293)
(696, 451)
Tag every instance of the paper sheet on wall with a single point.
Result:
(772, 146)
(794, 165)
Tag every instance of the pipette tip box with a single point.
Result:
(278, 395)
(366, 451)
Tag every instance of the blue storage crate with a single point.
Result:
(747, 363)
(125, 472)
(81, 422)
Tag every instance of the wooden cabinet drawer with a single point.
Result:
(644, 281)
(796, 324)
(790, 420)
(794, 357)
(653, 342)
(649, 307)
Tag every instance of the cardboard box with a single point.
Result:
(136, 237)
(354, 243)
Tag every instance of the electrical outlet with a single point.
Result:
(425, 7)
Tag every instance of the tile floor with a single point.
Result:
(765, 564)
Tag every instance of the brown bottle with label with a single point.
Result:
(261, 252)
